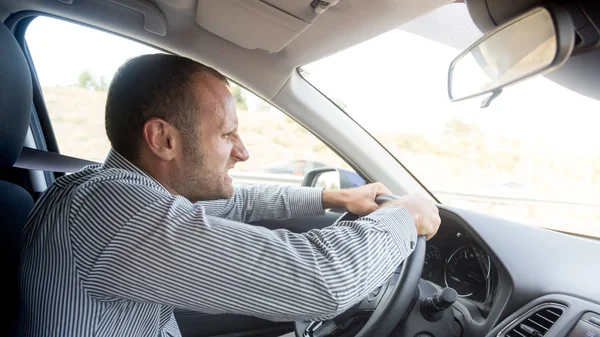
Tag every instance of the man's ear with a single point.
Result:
(161, 138)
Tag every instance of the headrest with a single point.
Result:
(15, 98)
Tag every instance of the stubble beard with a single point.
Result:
(197, 180)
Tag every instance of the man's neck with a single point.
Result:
(157, 170)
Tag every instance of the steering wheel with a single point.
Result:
(387, 305)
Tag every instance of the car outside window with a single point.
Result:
(75, 65)
(532, 156)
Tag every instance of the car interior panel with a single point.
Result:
(482, 274)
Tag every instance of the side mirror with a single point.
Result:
(332, 179)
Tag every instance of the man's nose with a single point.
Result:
(240, 153)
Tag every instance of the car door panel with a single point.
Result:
(195, 324)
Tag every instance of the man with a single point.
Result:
(112, 249)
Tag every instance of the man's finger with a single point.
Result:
(381, 189)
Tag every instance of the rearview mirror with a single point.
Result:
(536, 42)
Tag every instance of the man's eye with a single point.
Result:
(230, 134)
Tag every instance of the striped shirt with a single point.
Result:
(108, 251)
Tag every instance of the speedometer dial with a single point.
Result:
(468, 271)
(433, 268)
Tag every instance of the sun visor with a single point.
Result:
(269, 24)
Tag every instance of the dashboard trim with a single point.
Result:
(479, 325)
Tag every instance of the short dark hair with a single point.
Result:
(155, 85)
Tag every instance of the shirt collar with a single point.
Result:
(115, 160)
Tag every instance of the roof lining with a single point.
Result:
(263, 72)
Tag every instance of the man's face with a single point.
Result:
(214, 149)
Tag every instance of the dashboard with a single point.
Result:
(454, 259)
(533, 271)
(504, 272)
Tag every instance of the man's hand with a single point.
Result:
(361, 201)
(425, 214)
(357, 200)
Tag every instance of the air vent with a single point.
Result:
(535, 323)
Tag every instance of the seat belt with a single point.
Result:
(34, 159)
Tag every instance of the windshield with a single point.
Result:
(532, 156)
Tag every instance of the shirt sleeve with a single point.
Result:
(267, 202)
(136, 243)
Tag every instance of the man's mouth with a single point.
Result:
(227, 173)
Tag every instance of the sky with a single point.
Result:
(59, 61)
(403, 88)
(395, 82)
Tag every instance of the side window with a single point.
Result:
(280, 148)
(75, 65)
